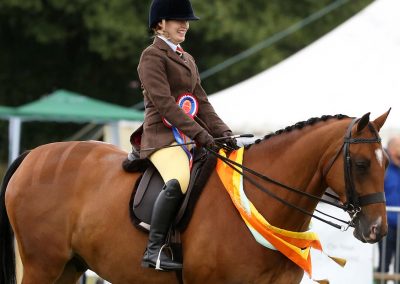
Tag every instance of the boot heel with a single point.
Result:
(145, 264)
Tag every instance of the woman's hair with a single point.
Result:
(159, 29)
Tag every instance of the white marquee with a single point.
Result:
(352, 70)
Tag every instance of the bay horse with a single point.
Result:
(67, 204)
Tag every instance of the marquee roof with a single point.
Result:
(64, 105)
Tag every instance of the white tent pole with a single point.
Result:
(115, 140)
(14, 134)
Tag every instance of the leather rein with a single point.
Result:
(353, 203)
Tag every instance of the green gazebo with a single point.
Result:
(65, 106)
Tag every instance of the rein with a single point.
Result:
(235, 167)
(354, 202)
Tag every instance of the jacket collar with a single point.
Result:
(172, 45)
(159, 43)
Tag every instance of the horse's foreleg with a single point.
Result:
(35, 273)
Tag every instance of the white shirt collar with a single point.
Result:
(170, 44)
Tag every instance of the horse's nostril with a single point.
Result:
(375, 232)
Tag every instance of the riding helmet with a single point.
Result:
(170, 10)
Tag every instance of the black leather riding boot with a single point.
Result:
(164, 212)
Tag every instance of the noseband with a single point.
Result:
(354, 202)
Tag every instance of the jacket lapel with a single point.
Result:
(170, 53)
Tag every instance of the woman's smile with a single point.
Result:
(176, 30)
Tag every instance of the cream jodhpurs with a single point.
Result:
(172, 163)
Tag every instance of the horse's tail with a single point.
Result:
(7, 254)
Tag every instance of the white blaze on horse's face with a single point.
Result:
(379, 156)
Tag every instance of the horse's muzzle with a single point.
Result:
(371, 233)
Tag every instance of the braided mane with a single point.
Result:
(300, 125)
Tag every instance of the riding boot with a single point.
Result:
(164, 212)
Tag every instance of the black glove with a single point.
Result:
(229, 141)
(203, 139)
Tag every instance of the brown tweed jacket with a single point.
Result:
(164, 77)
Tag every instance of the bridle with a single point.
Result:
(353, 202)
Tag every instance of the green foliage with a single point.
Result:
(115, 27)
(93, 47)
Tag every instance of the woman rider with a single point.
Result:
(176, 110)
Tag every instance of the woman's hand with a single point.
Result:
(229, 141)
(203, 139)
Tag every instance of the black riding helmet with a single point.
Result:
(170, 10)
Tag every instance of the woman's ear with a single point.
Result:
(158, 28)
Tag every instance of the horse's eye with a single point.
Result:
(362, 165)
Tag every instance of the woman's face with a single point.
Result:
(176, 30)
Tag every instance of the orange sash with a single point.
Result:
(294, 245)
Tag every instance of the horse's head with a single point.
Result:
(356, 173)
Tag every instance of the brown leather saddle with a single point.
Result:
(151, 183)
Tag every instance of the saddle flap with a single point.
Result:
(152, 183)
(143, 201)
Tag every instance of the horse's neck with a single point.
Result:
(293, 160)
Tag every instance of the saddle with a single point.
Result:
(150, 184)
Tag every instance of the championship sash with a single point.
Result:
(294, 245)
(188, 103)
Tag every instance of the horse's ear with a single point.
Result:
(364, 120)
(381, 120)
